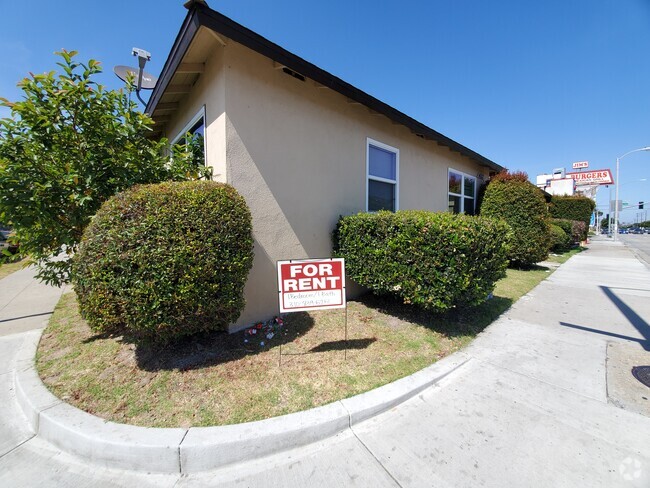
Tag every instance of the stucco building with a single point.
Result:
(301, 145)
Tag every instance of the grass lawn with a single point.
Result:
(563, 257)
(223, 379)
(7, 268)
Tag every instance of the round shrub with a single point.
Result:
(433, 260)
(560, 241)
(511, 197)
(575, 229)
(163, 261)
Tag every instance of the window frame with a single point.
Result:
(461, 195)
(198, 116)
(395, 182)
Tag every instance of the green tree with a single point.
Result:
(68, 146)
(511, 197)
(604, 224)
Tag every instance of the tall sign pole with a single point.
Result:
(616, 203)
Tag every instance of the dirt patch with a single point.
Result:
(623, 389)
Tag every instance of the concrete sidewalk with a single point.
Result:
(25, 303)
(531, 407)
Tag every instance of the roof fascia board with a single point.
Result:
(200, 15)
(181, 44)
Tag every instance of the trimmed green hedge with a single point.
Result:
(573, 208)
(163, 261)
(560, 240)
(511, 197)
(433, 260)
(575, 229)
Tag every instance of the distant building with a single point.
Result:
(556, 183)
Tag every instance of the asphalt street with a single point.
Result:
(639, 244)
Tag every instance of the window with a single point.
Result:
(382, 169)
(190, 142)
(462, 193)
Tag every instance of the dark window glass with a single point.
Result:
(469, 206)
(468, 189)
(454, 204)
(381, 196)
(192, 143)
(455, 182)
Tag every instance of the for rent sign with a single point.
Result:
(311, 284)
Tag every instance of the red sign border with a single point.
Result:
(312, 307)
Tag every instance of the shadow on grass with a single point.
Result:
(341, 345)
(213, 348)
(530, 267)
(460, 321)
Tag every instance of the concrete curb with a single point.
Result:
(199, 449)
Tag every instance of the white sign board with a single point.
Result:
(311, 284)
(580, 164)
(597, 177)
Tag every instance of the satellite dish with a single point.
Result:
(124, 72)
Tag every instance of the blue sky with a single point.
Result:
(531, 85)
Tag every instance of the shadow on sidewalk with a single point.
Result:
(26, 316)
(645, 344)
(634, 318)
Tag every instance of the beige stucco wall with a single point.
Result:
(297, 153)
(207, 94)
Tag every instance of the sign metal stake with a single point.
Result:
(345, 350)
(312, 284)
(283, 332)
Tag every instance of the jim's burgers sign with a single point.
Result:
(595, 177)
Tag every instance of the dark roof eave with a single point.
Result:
(200, 15)
(182, 42)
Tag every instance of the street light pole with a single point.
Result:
(647, 148)
(610, 217)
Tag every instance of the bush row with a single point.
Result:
(575, 229)
(159, 262)
(433, 260)
(573, 208)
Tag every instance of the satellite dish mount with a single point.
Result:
(145, 81)
(143, 57)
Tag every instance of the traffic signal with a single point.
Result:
(640, 205)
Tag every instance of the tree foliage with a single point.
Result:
(521, 204)
(68, 146)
